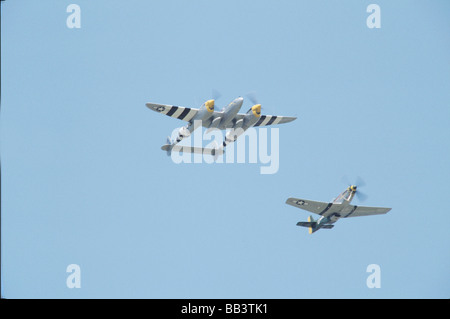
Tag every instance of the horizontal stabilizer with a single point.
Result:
(193, 149)
(307, 224)
(327, 226)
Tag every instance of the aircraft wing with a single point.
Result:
(320, 208)
(366, 211)
(325, 209)
(178, 112)
(266, 120)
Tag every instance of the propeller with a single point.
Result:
(215, 94)
(361, 196)
(360, 182)
(252, 97)
(355, 187)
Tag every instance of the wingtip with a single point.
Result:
(291, 201)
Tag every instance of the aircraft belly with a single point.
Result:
(227, 119)
(335, 212)
(341, 211)
(333, 218)
(228, 115)
(331, 209)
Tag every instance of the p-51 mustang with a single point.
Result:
(211, 119)
(331, 212)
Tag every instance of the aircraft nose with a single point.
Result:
(237, 102)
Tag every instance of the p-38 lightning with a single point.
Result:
(331, 212)
(227, 118)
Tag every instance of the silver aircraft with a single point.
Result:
(331, 212)
(227, 118)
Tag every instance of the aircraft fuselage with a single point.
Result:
(230, 111)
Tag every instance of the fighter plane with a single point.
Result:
(331, 212)
(209, 118)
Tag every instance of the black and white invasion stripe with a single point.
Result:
(268, 120)
(178, 112)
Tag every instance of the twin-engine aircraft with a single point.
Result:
(212, 119)
(331, 212)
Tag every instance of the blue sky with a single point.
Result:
(84, 180)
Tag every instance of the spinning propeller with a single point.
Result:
(215, 94)
(256, 105)
(210, 104)
(354, 187)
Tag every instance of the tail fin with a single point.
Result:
(311, 224)
(217, 150)
(169, 149)
(311, 220)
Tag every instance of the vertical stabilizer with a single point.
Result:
(310, 220)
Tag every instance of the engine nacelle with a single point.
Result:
(184, 132)
(205, 112)
(252, 116)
